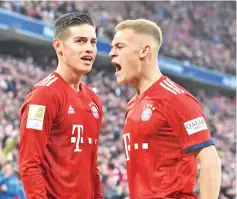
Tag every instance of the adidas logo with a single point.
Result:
(71, 110)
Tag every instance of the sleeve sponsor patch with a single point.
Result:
(195, 125)
(35, 118)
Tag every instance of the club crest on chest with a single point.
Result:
(147, 112)
(94, 110)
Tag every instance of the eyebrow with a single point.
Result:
(85, 38)
(118, 43)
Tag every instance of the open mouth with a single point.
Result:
(87, 59)
(117, 66)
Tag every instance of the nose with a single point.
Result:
(112, 53)
(89, 48)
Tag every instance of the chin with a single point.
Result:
(84, 69)
(121, 80)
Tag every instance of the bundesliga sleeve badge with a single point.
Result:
(147, 112)
(94, 110)
(35, 117)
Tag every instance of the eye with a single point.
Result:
(120, 46)
(93, 42)
(81, 41)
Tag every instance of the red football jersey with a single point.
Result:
(58, 141)
(162, 127)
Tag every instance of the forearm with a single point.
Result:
(210, 180)
(31, 172)
(34, 185)
(30, 155)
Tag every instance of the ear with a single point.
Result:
(145, 51)
(58, 44)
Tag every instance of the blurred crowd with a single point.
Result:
(200, 33)
(18, 75)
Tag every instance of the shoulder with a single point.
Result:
(49, 81)
(184, 104)
(185, 99)
(173, 92)
(45, 87)
(170, 96)
(169, 88)
(48, 85)
(43, 93)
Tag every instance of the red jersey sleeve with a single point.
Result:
(37, 114)
(186, 118)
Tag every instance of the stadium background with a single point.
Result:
(198, 52)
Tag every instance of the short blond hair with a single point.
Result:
(142, 26)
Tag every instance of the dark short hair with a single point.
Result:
(69, 20)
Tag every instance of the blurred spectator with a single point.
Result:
(201, 33)
(9, 188)
(17, 76)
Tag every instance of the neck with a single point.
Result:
(70, 76)
(147, 78)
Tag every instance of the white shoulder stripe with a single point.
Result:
(171, 86)
(168, 88)
(51, 81)
(47, 81)
(175, 86)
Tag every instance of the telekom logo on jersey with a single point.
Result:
(78, 137)
(135, 146)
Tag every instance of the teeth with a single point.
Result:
(87, 58)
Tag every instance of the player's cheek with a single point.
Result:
(95, 49)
